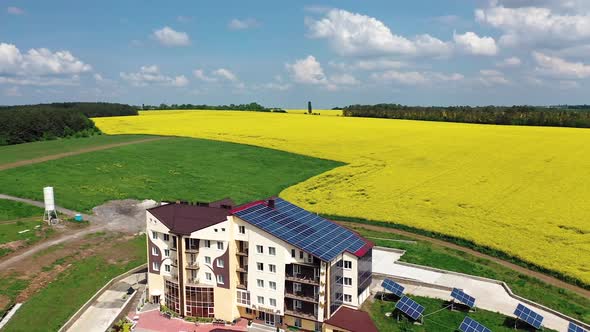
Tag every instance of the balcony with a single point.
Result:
(301, 314)
(309, 297)
(303, 278)
(192, 281)
(191, 250)
(242, 268)
(194, 265)
(174, 262)
(173, 277)
(243, 285)
(242, 252)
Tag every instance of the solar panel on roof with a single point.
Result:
(527, 315)
(303, 229)
(410, 307)
(461, 296)
(393, 287)
(575, 328)
(471, 325)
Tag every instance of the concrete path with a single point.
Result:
(101, 314)
(489, 295)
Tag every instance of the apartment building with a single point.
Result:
(268, 260)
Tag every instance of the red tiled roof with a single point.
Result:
(187, 218)
(352, 320)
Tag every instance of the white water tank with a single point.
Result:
(48, 198)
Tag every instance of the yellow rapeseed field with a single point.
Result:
(522, 190)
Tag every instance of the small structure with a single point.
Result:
(348, 319)
(309, 110)
(50, 215)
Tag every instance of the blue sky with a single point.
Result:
(279, 53)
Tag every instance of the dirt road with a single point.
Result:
(73, 153)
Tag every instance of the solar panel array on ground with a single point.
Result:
(393, 287)
(575, 328)
(471, 325)
(527, 315)
(303, 229)
(462, 297)
(410, 307)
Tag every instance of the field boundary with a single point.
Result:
(77, 152)
(514, 263)
(83, 308)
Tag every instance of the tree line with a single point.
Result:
(557, 116)
(29, 123)
(234, 107)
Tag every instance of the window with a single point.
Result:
(300, 254)
(272, 251)
(272, 268)
(223, 229)
(339, 263)
(220, 279)
(293, 253)
(347, 281)
(260, 249)
(297, 304)
(207, 260)
(220, 263)
(272, 285)
(166, 253)
(154, 235)
(208, 276)
(166, 237)
(272, 302)
(260, 283)
(243, 298)
(208, 243)
(215, 230)
(348, 265)
(242, 229)
(166, 267)
(154, 251)
(248, 311)
(339, 280)
(309, 258)
(260, 266)
(347, 298)
(260, 300)
(156, 266)
(219, 245)
(296, 287)
(297, 322)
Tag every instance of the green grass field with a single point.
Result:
(16, 217)
(53, 305)
(425, 253)
(25, 151)
(10, 210)
(177, 168)
(444, 320)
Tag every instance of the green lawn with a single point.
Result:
(10, 210)
(177, 168)
(16, 217)
(25, 151)
(425, 253)
(440, 320)
(53, 305)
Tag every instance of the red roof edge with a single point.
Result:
(362, 251)
(248, 205)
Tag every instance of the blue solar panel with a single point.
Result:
(470, 325)
(525, 314)
(461, 296)
(393, 287)
(410, 307)
(303, 229)
(575, 328)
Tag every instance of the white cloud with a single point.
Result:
(307, 71)
(509, 62)
(15, 11)
(151, 75)
(248, 23)
(170, 37)
(471, 43)
(370, 64)
(415, 77)
(558, 67)
(491, 77)
(200, 74)
(39, 66)
(357, 34)
(535, 25)
(343, 79)
(226, 74)
(98, 77)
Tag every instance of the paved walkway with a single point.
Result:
(100, 315)
(489, 295)
(152, 321)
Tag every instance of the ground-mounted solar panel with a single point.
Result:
(461, 296)
(393, 287)
(527, 315)
(471, 325)
(303, 229)
(410, 307)
(575, 328)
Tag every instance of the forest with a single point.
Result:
(234, 107)
(556, 116)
